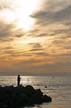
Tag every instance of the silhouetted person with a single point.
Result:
(18, 80)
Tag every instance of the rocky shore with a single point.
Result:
(17, 97)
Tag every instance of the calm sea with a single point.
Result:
(58, 87)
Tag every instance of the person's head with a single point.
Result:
(18, 75)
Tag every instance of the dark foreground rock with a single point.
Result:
(16, 97)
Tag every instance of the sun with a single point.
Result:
(23, 11)
(25, 22)
(20, 12)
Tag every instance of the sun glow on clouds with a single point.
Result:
(20, 13)
(36, 35)
(7, 15)
(23, 13)
(22, 43)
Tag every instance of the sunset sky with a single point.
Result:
(35, 37)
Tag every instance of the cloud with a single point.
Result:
(5, 30)
(35, 47)
(8, 27)
(46, 48)
(42, 34)
(49, 17)
(62, 31)
(9, 31)
(64, 14)
(6, 4)
(42, 53)
(56, 5)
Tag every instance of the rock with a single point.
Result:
(46, 98)
(16, 97)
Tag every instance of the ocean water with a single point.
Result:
(58, 87)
